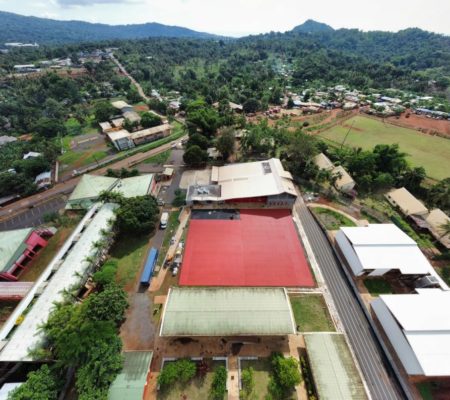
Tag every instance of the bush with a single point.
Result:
(40, 385)
(106, 274)
(248, 383)
(219, 384)
(182, 370)
(286, 375)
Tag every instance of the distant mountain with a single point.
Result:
(19, 28)
(311, 26)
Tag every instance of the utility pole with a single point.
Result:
(345, 138)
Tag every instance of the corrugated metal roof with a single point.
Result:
(75, 263)
(12, 245)
(130, 383)
(227, 312)
(424, 320)
(134, 186)
(14, 290)
(90, 186)
(406, 202)
(335, 374)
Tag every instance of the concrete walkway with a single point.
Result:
(233, 378)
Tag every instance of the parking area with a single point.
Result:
(260, 248)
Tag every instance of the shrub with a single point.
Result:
(248, 383)
(219, 384)
(182, 370)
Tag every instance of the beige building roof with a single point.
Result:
(323, 162)
(254, 179)
(435, 219)
(118, 122)
(150, 131)
(117, 135)
(407, 203)
(120, 104)
(106, 126)
(345, 178)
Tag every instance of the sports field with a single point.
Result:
(256, 248)
(430, 152)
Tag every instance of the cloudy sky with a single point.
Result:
(241, 17)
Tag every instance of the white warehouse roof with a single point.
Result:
(418, 326)
(381, 247)
(74, 264)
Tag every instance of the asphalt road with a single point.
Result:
(33, 216)
(381, 383)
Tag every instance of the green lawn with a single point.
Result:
(311, 313)
(261, 376)
(332, 219)
(160, 158)
(130, 253)
(76, 159)
(197, 389)
(430, 152)
(377, 286)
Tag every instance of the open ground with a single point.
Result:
(430, 152)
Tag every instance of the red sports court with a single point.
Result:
(257, 248)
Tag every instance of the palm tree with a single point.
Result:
(445, 229)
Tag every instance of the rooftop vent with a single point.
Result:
(266, 167)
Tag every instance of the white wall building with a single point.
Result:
(377, 249)
(418, 328)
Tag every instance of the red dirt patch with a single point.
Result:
(262, 248)
(422, 123)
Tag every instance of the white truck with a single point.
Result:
(164, 220)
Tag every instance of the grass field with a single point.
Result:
(129, 253)
(311, 313)
(430, 152)
(261, 376)
(196, 389)
(332, 219)
(160, 158)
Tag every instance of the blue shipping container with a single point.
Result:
(149, 266)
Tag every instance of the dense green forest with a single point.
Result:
(19, 28)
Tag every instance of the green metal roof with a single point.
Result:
(134, 186)
(335, 374)
(130, 383)
(90, 186)
(227, 312)
(12, 245)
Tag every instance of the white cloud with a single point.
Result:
(74, 3)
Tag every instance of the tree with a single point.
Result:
(40, 385)
(248, 383)
(95, 376)
(199, 140)
(444, 229)
(300, 151)
(225, 143)
(195, 156)
(149, 120)
(108, 305)
(219, 384)
(103, 111)
(106, 274)
(286, 375)
(251, 106)
(137, 215)
(49, 127)
(133, 95)
(182, 370)
(202, 118)
(290, 103)
(130, 126)
(438, 195)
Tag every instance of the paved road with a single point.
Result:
(34, 216)
(381, 383)
(67, 186)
